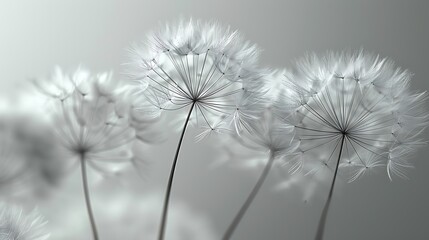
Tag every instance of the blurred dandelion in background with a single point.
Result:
(200, 66)
(272, 137)
(16, 224)
(352, 110)
(92, 121)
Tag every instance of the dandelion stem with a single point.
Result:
(170, 179)
(87, 198)
(323, 217)
(249, 199)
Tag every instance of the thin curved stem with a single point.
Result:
(171, 177)
(323, 217)
(249, 199)
(87, 198)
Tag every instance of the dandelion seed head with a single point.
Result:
(96, 120)
(15, 224)
(360, 98)
(197, 64)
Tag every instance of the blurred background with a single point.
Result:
(37, 35)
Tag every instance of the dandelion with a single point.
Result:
(15, 224)
(353, 110)
(92, 122)
(271, 137)
(199, 66)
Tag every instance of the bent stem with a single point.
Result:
(249, 199)
(171, 177)
(87, 197)
(323, 217)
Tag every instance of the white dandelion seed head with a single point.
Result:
(15, 224)
(360, 98)
(199, 64)
(95, 120)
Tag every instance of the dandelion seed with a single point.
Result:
(17, 225)
(357, 167)
(353, 106)
(200, 66)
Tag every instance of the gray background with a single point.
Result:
(36, 35)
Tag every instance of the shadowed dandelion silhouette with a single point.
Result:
(92, 122)
(17, 225)
(202, 67)
(353, 110)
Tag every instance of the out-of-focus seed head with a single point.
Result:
(15, 224)
(92, 117)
